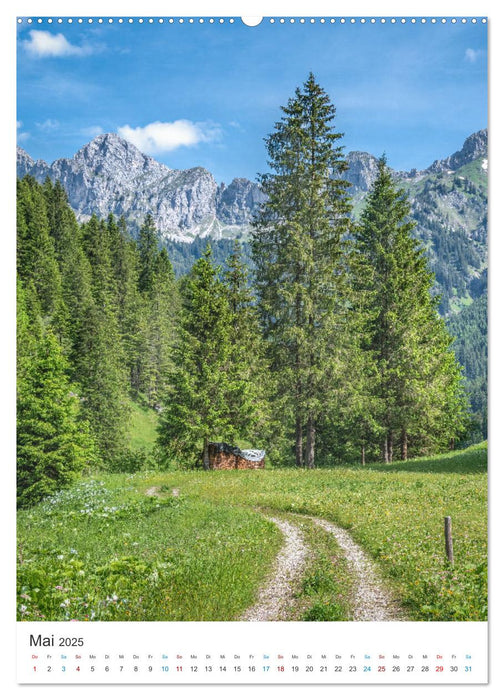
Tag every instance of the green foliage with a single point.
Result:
(148, 252)
(158, 313)
(470, 330)
(196, 403)
(53, 443)
(297, 250)
(35, 251)
(246, 376)
(215, 390)
(87, 286)
(413, 378)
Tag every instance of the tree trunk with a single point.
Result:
(310, 444)
(404, 445)
(385, 452)
(299, 442)
(452, 443)
(363, 455)
(390, 441)
(206, 456)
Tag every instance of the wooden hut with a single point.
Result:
(224, 456)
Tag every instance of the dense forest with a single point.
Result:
(330, 349)
(470, 331)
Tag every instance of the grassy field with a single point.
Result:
(142, 432)
(195, 546)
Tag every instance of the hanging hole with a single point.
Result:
(251, 21)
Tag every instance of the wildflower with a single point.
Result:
(23, 608)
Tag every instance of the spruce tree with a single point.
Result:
(53, 443)
(36, 260)
(130, 303)
(417, 385)
(161, 306)
(246, 377)
(99, 360)
(148, 252)
(297, 249)
(195, 408)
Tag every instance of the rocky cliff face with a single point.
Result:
(237, 203)
(110, 175)
(362, 170)
(475, 146)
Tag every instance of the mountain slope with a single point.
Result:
(110, 175)
(449, 202)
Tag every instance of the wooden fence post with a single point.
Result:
(448, 538)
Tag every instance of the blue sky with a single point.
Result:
(208, 94)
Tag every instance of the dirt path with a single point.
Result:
(371, 602)
(371, 599)
(276, 595)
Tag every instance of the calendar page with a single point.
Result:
(251, 349)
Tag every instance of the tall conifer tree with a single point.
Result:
(297, 249)
(417, 379)
(53, 443)
(195, 409)
(99, 358)
(246, 376)
(36, 259)
(161, 306)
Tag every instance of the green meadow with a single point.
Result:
(194, 545)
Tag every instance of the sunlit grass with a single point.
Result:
(106, 550)
(142, 433)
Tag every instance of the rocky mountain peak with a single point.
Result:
(237, 203)
(106, 151)
(24, 162)
(111, 175)
(362, 171)
(475, 146)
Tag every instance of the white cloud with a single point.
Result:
(24, 135)
(48, 125)
(472, 55)
(160, 137)
(92, 131)
(42, 44)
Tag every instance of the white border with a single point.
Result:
(227, 9)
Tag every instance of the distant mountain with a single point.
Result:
(110, 175)
(470, 331)
(449, 205)
(449, 202)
